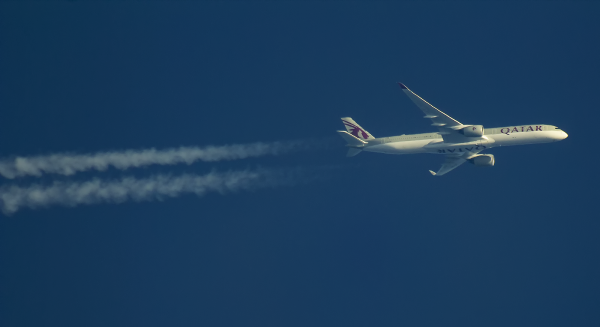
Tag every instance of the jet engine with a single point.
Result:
(473, 131)
(483, 160)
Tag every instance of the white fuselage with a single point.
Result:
(493, 137)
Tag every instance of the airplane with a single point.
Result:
(458, 142)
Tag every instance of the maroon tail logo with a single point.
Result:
(354, 130)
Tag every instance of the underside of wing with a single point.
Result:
(447, 125)
(453, 161)
(449, 164)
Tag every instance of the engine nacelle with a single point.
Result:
(473, 131)
(483, 160)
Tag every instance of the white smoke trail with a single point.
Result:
(157, 187)
(69, 164)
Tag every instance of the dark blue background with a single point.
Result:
(380, 242)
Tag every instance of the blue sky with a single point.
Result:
(379, 241)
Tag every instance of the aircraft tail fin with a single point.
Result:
(353, 128)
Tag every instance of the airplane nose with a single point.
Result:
(558, 135)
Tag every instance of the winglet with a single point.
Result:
(402, 86)
(432, 173)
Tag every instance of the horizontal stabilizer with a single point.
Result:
(353, 151)
(351, 139)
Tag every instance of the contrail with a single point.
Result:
(69, 164)
(156, 187)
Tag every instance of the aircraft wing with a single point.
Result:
(453, 161)
(447, 125)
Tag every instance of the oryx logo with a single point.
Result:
(354, 130)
